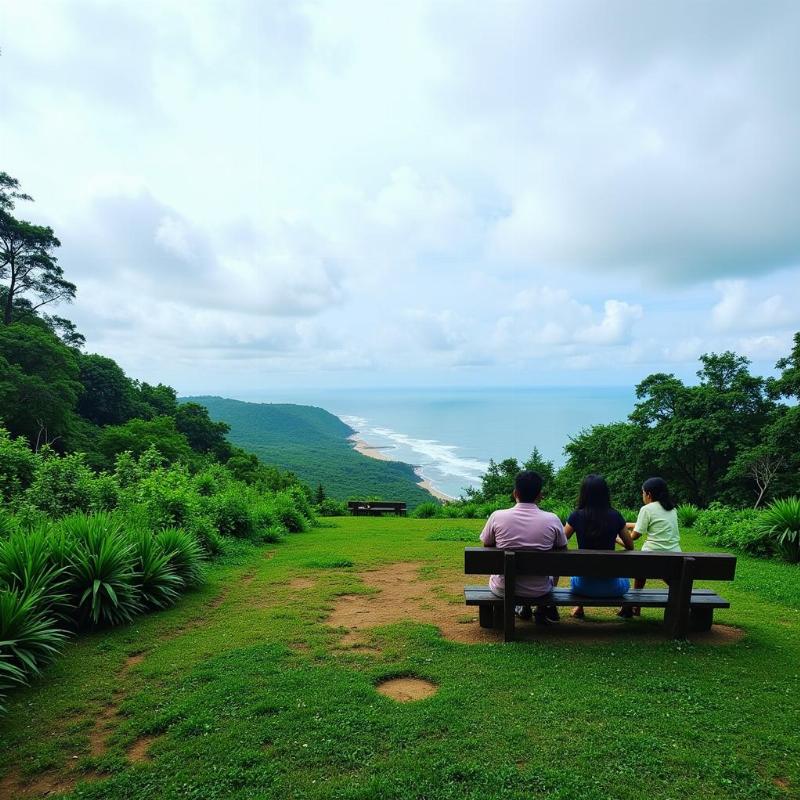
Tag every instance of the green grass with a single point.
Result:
(313, 443)
(251, 695)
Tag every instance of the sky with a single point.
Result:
(257, 194)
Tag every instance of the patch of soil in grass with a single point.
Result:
(139, 751)
(406, 690)
(782, 783)
(302, 583)
(44, 785)
(410, 591)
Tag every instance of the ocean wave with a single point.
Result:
(443, 458)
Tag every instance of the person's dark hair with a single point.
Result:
(528, 486)
(594, 500)
(657, 489)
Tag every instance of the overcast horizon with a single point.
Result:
(257, 195)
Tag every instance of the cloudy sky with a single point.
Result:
(270, 194)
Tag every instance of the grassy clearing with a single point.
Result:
(242, 691)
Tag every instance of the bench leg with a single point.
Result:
(701, 619)
(486, 615)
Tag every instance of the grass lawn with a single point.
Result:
(246, 690)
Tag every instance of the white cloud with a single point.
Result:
(738, 310)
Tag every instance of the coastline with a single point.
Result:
(379, 453)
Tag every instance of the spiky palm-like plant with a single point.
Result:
(186, 557)
(687, 514)
(156, 580)
(781, 519)
(104, 577)
(29, 638)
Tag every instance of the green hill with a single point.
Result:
(314, 444)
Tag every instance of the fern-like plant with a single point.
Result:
(185, 555)
(155, 578)
(781, 519)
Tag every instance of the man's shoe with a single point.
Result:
(551, 612)
(540, 618)
(523, 612)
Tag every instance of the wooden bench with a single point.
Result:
(685, 608)
(376, 508)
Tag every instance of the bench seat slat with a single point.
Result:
(649, 598)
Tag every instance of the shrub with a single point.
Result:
(232, 514)
(7, 525)
(687, 515)
(206, 535)
(780, 521)
(734, 529)
(287, 513)
(28, 637)
(103, 579)
(27, 566)
(155, 578)
(17, 465)
(185, 555)
(629, 514)
(62, 485)
(427, 510)
(332, 508)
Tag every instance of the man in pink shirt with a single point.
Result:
(525, 526)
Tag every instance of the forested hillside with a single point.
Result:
(313, 443)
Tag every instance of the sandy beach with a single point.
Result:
(368, 450)
(380, 453)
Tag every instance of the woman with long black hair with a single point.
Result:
(597, 526)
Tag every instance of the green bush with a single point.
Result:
(687, 515)
(332, 508)
(103, 577)
(427, 510)
(287, 513)
(154, 576)
(17, 465)
(186, 557)
(780, 522)
(629, 514)
(232, 514)
(62, 485)
(734, 529)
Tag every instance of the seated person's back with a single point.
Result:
(524, 526)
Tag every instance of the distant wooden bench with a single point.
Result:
(685, 608)
(376, 508)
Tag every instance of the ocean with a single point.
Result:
(451, 434)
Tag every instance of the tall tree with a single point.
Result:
(27, 256)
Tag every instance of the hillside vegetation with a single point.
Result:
(313, 443)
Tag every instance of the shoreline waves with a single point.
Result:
(379, 453)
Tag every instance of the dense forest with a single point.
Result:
(313, 444)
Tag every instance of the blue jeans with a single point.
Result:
(600, 587)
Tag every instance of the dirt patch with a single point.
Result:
(102, 730)
(133, 660)
(782, 784)
(139, 751)
(45, 785)
(411, 591)
(247, 578)
(270, 554)
(406, 690)
(302, 583)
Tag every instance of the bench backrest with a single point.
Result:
(376, 505)
(600, 563)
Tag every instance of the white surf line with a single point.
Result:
(437, 455)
